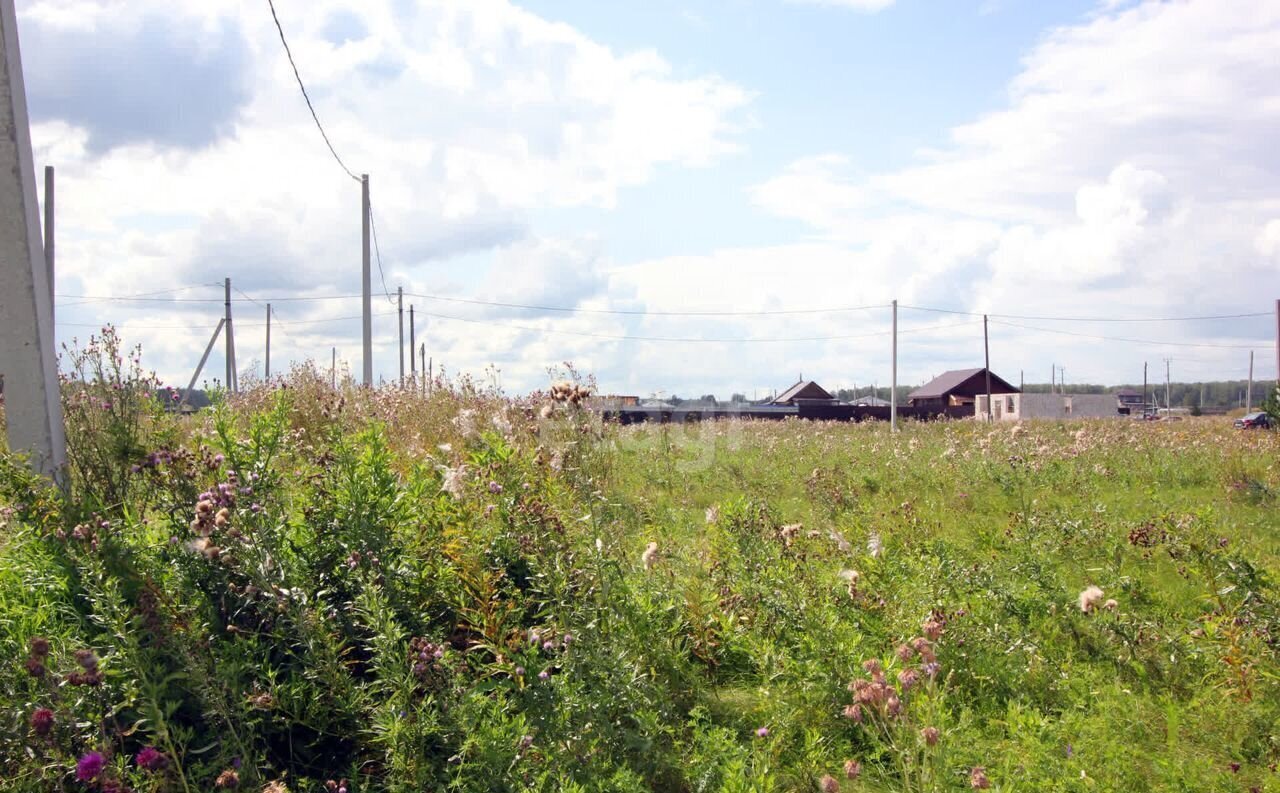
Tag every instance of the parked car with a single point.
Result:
(1252, 421)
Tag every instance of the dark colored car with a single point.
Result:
(1254, 421)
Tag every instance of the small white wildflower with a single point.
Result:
(713, 514)
(465, 422)
(1090, 598)
(840, 541)
(650, 556)
(1111, 604)
(453, 480)
(599, 545)
(501, 424)
(874, 546)
(445, 447)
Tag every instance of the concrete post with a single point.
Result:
(231, 353)
(28, 360)
(48, 251)
(893, 387)
(1248, 398)
(366, 283)
(986, 357)
(413, 364)
(268, 341)
(400, 320)
(200, 366)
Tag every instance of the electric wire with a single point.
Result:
(1128, 341)
(373, 227)
(144, 297)
(693, 339)
(305, 96)
(1088, 319)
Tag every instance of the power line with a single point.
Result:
(690, 339)
(1090, 319)
(644, 313)
(1131, 341)
(190, 326)
(373, 227)
(91, 299)
(305, 96)
(661, 313)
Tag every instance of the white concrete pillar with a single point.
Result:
(28, 360)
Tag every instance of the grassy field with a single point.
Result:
(306, 590)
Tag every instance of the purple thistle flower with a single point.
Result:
(762, 732)
(151, 759)
(42, 721)
(90, 766)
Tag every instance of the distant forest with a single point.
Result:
(1218, 395)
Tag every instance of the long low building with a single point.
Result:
(1015, 407)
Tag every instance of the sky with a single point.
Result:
(621, 185)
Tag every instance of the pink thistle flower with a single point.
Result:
(828, 784)
(42, 721)
(907, 678)
(90, 766)
(852, 769)
(978, 778)
(151, 759)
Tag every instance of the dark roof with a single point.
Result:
(805, 389)
(1129, 392)
(945, 383)
(871, 401)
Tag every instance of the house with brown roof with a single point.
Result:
(958, 387)
(805, 390)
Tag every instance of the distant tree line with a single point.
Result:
(1216, 395)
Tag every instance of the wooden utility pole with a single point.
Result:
(28, 359)
(893, 389)
(1248, 394)
(400, 320)
(986, 356)
(200, 366)
(48, 250)
(268, 341)
(366, 283)
(1168, 398)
